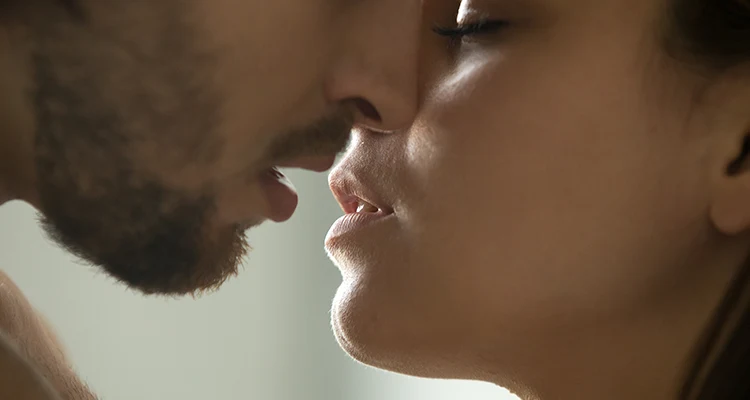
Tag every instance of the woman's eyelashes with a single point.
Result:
(471, 30)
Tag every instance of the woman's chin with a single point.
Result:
(373, 329)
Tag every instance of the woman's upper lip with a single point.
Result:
(350, 188)
(312, 163)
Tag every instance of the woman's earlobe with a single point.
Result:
(740, 163)
(730, 206)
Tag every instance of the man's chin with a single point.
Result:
(166, 277)
(176, 285)
(162, 266)
(179, 280)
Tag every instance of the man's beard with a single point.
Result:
(106, 207)
(152, 238)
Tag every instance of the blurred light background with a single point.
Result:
(263, 336)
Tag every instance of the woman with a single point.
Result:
(568, 216)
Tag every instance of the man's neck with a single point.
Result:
(4, 196)
(5, 172)
(16, 175)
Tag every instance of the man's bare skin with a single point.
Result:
(148, 134)
(33, 364)
(18, 379)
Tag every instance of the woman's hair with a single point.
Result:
(714, 36)
(711, 33)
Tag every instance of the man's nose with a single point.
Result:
(376, 63)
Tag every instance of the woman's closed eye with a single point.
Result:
(467, 31)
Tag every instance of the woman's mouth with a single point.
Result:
(361, 205)
(355, 222)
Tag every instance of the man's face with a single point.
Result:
(158, 123)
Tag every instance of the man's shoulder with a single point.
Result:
(11, 301)
(16, 312)
(28, 340)
(18, 379)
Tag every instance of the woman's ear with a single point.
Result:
(730, 205)
(730, 159)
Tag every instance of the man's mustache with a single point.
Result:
(326, 137)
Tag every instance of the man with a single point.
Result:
(148, 133)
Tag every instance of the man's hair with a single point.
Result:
(714, 36)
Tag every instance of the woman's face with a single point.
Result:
(552, 191)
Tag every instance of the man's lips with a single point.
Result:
(280, 194)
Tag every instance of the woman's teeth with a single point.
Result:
(365, 207)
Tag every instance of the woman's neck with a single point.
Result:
(645, 356)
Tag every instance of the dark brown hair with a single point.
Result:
(714, 35)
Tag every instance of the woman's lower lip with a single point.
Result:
(353, 222)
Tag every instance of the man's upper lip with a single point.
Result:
(312, 163)
(349, 189)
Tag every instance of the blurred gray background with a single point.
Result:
(263, 336)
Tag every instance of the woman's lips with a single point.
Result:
(356, 191)
(353, 222)
(311, 163)
(281, 196)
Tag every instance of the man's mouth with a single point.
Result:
(281, 195)
(279, 191)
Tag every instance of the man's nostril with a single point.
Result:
(367, 109)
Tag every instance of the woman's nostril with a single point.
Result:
(367, 109)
